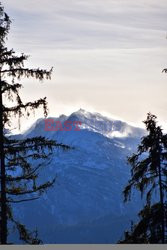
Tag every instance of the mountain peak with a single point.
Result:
(106, 126)
(92, 121)
(80, 112)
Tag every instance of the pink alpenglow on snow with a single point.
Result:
(54, 125)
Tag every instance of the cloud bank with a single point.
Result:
(107, 54)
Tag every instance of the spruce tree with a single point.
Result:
(148, 229)
(149, 176)
(18, 176)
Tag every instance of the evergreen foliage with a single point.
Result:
(149, 177)
(18, 177)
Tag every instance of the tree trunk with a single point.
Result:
(3, 230)
(162, 203)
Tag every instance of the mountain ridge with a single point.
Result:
(96, 122)
(86, 203)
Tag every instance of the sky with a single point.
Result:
(107, 55)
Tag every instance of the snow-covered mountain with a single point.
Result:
(86, 203)
(92, 122)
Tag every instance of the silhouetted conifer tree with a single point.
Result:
(149, 176)
(18, 177)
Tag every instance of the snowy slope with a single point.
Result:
(86, 203)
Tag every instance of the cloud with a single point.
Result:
(106, 54)
(89, 24)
